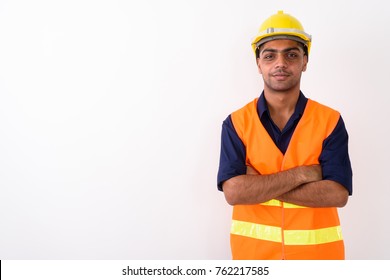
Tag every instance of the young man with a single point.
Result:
(284, 162)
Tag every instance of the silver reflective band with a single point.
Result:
(282, 33)
(284, 30)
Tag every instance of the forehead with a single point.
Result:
(280, 45)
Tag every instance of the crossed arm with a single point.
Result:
(301, 185)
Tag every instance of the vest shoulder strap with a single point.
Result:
(323, 114)
(244, 117)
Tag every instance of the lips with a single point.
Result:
(280, 76)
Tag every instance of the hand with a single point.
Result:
(251, 171)
(312, 173)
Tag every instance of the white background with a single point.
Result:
(111, 111)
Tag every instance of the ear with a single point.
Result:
(305, 61)
(259, 66)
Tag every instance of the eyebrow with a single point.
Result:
(285, 50)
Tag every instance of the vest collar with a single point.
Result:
(299, 108)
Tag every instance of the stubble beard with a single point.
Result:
(281, 86)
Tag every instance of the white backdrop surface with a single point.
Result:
(111, 111)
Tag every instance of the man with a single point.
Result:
(284, 162)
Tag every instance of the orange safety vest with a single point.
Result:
(275, 229)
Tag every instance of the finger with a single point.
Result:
(251, 171)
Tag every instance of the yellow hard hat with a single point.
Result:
(281, 26)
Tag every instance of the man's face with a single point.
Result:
(281, 62)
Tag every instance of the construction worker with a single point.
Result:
(284, 163)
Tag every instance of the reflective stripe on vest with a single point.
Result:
(275, 202)
(275, 229)
(291, 237)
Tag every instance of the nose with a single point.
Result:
(280, 61)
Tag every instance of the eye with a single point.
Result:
(292, 55)
(268, 56)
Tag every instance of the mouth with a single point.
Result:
(280, 76)
(280, 73)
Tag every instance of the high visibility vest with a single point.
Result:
(275, 229)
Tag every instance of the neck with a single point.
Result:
(281, 101)
(281, 106)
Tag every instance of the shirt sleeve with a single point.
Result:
(334, 158)
(233, 155)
